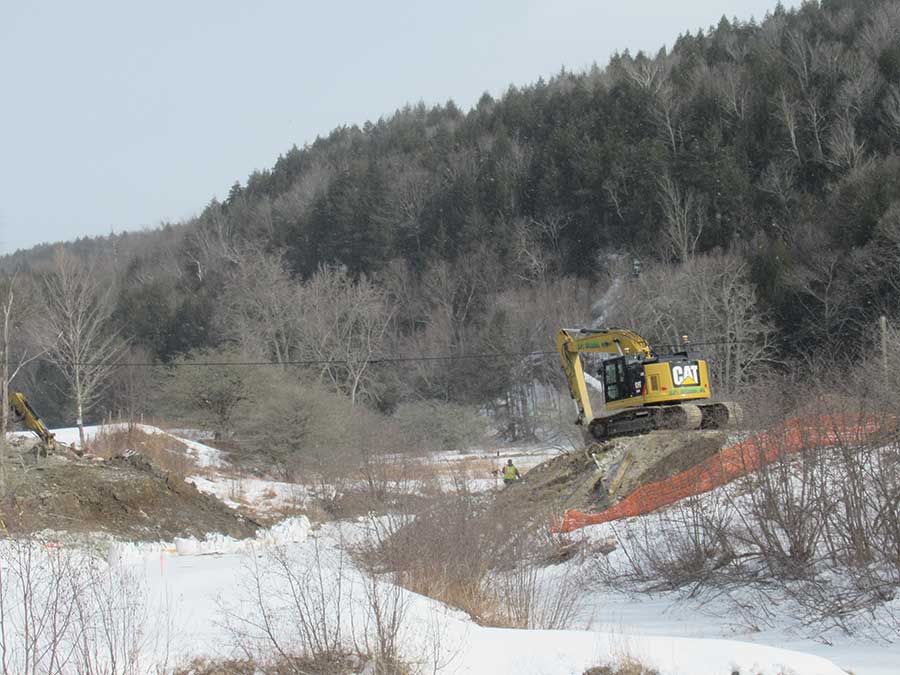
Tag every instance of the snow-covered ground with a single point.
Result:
(873, 649)
(191, 584)
(667, 615)
(200, 591)
(479, 467)
(258, 493)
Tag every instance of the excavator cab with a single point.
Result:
(623, 378)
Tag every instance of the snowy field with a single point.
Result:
(199, 590)
(194, 585)
(670, 615)
(872, 650)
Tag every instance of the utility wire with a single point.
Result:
(378, 359)
(322, 362)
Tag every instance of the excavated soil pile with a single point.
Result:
(594, 479)
(124, 496)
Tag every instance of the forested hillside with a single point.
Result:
(751, 170)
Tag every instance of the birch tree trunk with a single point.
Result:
(74, 326)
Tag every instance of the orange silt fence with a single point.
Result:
(728, 464)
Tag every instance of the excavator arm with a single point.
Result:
(570, 342)
(26, 414)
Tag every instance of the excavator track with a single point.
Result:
(684, 416)
(721, 415)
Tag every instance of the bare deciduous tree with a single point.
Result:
(732, 89)
(75, 330)
(683, 212)
(778, 180)
(345, 324)
(787, 115)
(312, 182)
(650, 74)
(860, 84)
(538, 247)
(891, 111)
(846, 151)
(263, 307)
(668, 105)
(713, 300)
(880, 32)
(823, 291)
(212, 242)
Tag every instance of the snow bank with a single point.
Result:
(535, 652)
(289, 531)
(257, 492)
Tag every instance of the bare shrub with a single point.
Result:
(115, 623)
(627, 666)
(37, 609)
(439, 425)
(62, 612)
(448, 550)
(203, 666)
(526, 598)
(379, 637)
(681, 547)
(310, 611)
(293, 609)
(812, 535)
(463, 550)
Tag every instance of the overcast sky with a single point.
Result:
(121, 115)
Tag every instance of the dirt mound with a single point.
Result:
(124, 496)
(593, 479)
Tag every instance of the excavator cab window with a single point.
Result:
(622, 379)
(613, 376)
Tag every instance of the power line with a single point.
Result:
(321, 362)
(379, 359)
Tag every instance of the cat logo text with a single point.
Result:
(686, 375)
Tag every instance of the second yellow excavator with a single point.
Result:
(27, 416)
(641, 391)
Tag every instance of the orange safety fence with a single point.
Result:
(728, 464)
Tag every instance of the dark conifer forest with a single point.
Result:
(742, 186)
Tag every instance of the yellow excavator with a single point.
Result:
(640, 390)
(27, 416)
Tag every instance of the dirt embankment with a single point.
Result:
(124, 496)
(593, 479)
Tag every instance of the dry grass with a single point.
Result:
(627, 666)
(165, 452)
(425, 468)
(203, 666)
(464, 551)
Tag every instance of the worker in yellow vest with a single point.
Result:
(510, 473)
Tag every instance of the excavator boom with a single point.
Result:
(26, 414)
(570, 342)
